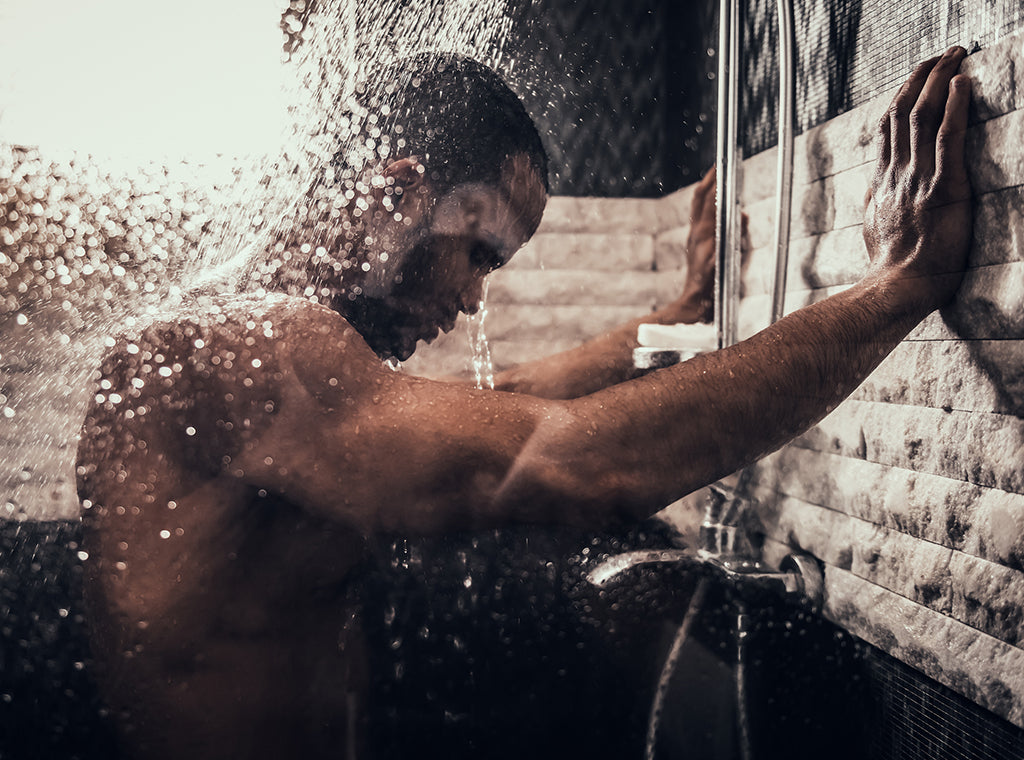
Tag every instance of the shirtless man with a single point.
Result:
(235, 461)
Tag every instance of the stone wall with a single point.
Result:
(911, 493)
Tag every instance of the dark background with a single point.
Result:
(620, 91)
(624, 90)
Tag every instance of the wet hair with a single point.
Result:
(454, 113)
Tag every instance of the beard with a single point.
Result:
(394, 315)
(391, 332)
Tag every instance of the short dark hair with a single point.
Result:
(456, 114)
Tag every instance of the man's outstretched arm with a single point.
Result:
(418, 455)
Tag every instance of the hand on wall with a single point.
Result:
(917, 224)
(699, 288)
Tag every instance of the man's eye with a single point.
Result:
(485, 257)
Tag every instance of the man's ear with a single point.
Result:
(408, 173)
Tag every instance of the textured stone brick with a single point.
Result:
(848, 190)
(670, 249)
(838, 257)
(988, 598)
(813, 208)
(990, 303)
(509, 353)
(994, 78)
(843, 143)
(994, 157)
(985, 449)
(977, 592)
(668, 287)
(983, 522)
(946, 374)
(572, 323)
(574, 287)
(758, 177)
(988, 306)
(914, 569)
(755, 311)
(982, 668)
(592, 252)
(998, 235)
(601, 215)
(674, 209)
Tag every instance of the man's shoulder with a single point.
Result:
(271, 324)
(204, 378)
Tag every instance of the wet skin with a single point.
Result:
(235, 461)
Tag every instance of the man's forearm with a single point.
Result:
(608, 359)
(642, 444)
(759, 394)
(597, 364)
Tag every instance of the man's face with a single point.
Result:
(463, 236)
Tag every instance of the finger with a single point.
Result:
(899, 112)
(928, 113)
(952, 133)
(884, 154)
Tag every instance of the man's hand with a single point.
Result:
(699, 289)
(917, 224)
(697, 302)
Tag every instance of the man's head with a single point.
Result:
(445, 180)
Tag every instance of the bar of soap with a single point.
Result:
(665, 345)
(697, 337)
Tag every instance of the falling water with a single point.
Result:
(483, 367)
(122, 191)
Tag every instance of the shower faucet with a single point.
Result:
(725, 544)
(725, 551)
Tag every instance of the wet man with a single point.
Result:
(236, 461)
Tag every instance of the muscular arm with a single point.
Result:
(608, 359)
(385, 450)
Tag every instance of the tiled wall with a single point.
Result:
(912, 492)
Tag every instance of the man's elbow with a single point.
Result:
(573, 491)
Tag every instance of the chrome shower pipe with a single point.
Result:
(784, 181)
(727, 264)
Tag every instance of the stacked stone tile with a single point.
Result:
(911, 492)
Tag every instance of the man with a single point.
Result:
(235, 462)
